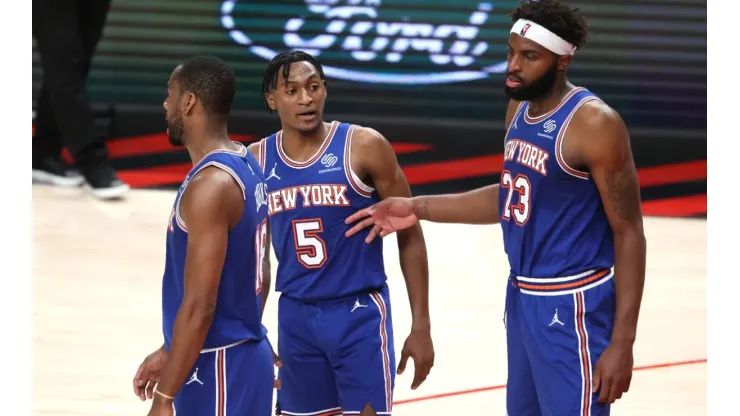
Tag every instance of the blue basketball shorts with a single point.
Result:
(556, 330)
(337, 356)
(234, 381)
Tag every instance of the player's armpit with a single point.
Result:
(603, 144)
(210, 206)
(373, 156)
(376, 158)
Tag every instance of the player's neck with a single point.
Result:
(550, 100)
(207, 140)
(299, 145)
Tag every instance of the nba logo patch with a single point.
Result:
(525, 29)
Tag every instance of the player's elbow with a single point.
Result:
(411, 237)
(631, 234)
(411, 244)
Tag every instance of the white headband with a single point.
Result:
(542, 36)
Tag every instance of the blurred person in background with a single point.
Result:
(67, 33)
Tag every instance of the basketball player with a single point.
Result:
(335, 334)
(569, 207)
(215, 357)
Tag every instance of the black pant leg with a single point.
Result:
(56, 27)
(93, 14)
(46, 143)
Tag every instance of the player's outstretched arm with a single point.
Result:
(210, 206)
(479, 206)
(601, 139)
(377, 160)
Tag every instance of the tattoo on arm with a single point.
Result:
(624, 195)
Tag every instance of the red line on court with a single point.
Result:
(503, 386)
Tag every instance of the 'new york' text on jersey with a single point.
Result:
(552, 217)
(308, 203)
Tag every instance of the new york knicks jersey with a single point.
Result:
(552, 217)
(308, 203)
(238, 315)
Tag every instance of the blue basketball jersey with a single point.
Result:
(552, 217)
(238, 315)
(308, 203)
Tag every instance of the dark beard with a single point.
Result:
(538, 88)
(176, 133)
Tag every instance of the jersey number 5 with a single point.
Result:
(260, 247)
(309, 247)
(521, 185)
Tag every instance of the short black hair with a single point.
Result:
(557, 17)
(211, 80)
(284, 60)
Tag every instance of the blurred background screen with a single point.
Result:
(425, 71)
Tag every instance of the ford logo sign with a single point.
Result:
(354, 27)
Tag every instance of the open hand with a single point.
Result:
(387, 216)
(418, 346)
(147, 376)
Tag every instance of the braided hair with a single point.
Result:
(284, 60)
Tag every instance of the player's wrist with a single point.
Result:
(420, 206)
(420, 321)
(163, 398)
(422, 325)
(623, 336)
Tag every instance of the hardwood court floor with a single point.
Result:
(96, 311)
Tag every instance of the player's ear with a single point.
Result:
(270, 101)
(188, 102)
(563, 62)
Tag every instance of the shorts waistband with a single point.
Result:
(556, 286)
(244, 341)
(340, 299)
